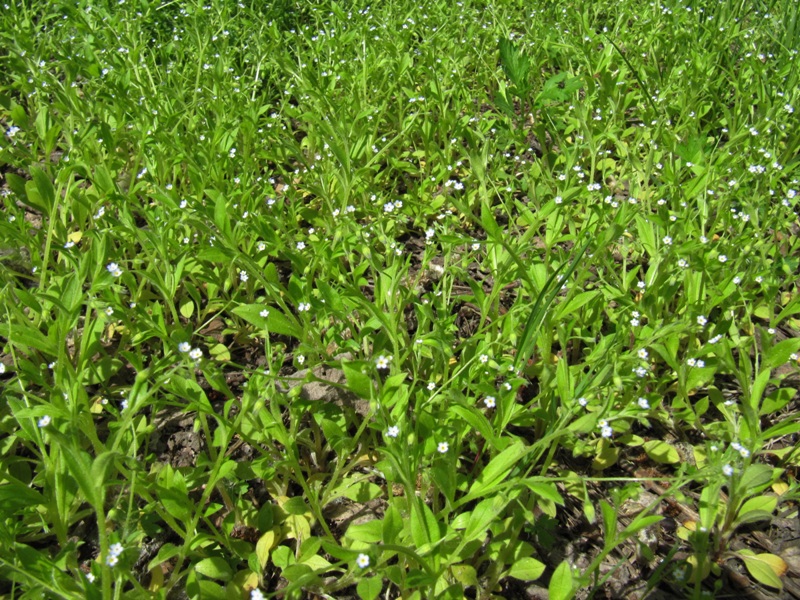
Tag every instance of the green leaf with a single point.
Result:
(776, 401)
(779, 354)
(275, 321)
(370, 532)
(392, 525)
(662, 452)
(369, 587)
(754, 477)
(483, 515)
(560, 587)
(44, 186)
(759, 508)
(495, 472)
(215, 568)
(424, 526)
(516, 66)
(166, 552)
(466, 575)
(765, 568)
(577, 302)
(527, 569)
(358, 379)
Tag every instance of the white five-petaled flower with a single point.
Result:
(111, 560)
(44, 421)
(393, 431)
(722, 258)
(727, 470)
(243, 276)
(195, 354)
(256, 594)
(3, 368)
(114, 269)
(483, 358)
(90, 577)
(116, 549)
(301, 245)
(490, 402)
(184, 347)
(303, 307)
(362, 560)
(643, 403)
(382, 362)
(583, 402)
(701, 320)
(442, 447)
(431, 386)
(643, 354)
(109, 311)
(667, 240)
(264, 313)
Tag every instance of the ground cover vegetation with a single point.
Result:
(404, 300)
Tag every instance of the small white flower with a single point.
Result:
(483, 358)
(431, 386)
(393, 431)
(643, 354)
(744, 452)
(123, 405)
(722, 258)
(111, 560)
(301, 245)
(691, 362)
(606, 431)
(667, 240)
(640, 372)
(583, 402)
(300, 359)
(362, 561)
(643, 403)
(243, 276)
(44, 421)
(737, 280)
(114, 269)
(184, 347)
(442, 447)
(490, 401)
(303, 307)
(727, 470)
(703, 239)
(2, 368)
(261, 246)
(195, 354)
(264, 313)
(109, 311)
(701, 320)
(382, 362)
(256, 594)
(700, 363)
(634, 322)
(116, 549)
(90, 577)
